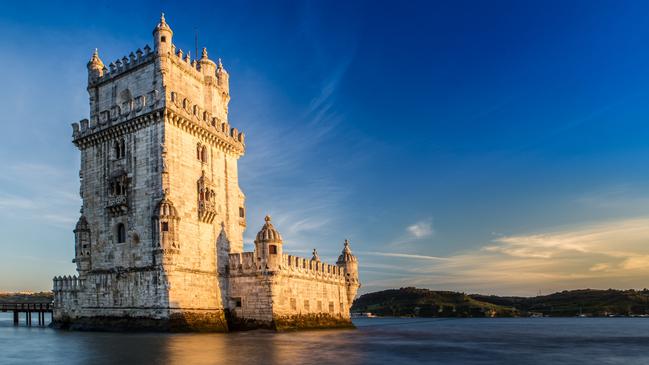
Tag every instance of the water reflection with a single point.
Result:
(236, 348)
(376, 341)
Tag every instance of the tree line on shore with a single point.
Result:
(414, 302)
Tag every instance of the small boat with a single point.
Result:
(364, 314)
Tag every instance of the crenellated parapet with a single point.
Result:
(190, 119)
(85, 134)
(67, 284)
(242, 262)
(245, 263)
(203, 69)
(67, 290)
(118, 67)
(309, 268)
(192, 93)
(268, 259)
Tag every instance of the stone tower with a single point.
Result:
(159, 243)
(162, 208)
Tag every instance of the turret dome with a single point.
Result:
(162, 25)
(95, 61)
(268, 233)
(346, 255)
(166, 209)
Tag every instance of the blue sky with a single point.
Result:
(495, 147)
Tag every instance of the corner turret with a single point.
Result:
(207, 66)
(268, 246)
(162, 34)
(95, 67)
(82, 247)
(223, 77)
(348, 262)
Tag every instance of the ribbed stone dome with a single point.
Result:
(346, 255)
(166, 209)
(268, 233)
(162, 24)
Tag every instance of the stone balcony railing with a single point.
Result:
(206, 210)
(117, 204)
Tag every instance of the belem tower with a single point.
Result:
(159, 243)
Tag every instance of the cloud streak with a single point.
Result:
(606, 254)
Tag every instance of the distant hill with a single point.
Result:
(413, 302)
(42, 297)
(574, 302)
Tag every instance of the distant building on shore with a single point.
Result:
(159, 243)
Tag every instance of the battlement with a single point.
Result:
(301, 264)
(68, 284)
(132, 88)
(245, 263)
(123, 65)
(195, 67)
(185, 109)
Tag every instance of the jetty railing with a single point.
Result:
(28, 308)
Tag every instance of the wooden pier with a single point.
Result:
(28, 309)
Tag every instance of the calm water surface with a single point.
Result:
(376, 341)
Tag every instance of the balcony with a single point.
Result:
(117, 205)
(206, 211)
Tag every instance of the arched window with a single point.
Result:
(121, 233)
(204, 154)
(198, 151)
(120, 148)
(117, 151)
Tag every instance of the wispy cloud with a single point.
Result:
(405, 255)
(302, 205)
(421, 229)
(610, 253)
(41, 193)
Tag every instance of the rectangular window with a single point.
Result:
(331, 307)
(306, 305)
(236, 302)
(165, 226)
(272, 249)
(293, 304)
(242, 212)
(319, 306)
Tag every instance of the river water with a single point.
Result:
(376, 341)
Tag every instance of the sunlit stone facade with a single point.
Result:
(159, 243)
